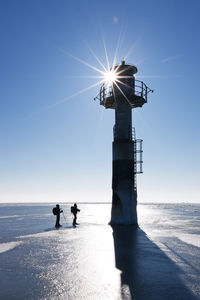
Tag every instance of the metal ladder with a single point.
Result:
(137, 157)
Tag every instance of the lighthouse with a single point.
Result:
(122, 92)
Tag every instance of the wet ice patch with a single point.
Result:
(4, 247)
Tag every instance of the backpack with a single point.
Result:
(54, 211)
(72, 209)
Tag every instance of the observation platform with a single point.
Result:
(135, 95)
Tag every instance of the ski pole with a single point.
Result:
(64, 217)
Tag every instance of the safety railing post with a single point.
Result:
(142, 89)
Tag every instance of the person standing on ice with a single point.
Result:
(56, 212)
(74, 210)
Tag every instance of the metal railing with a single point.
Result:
(139, 88)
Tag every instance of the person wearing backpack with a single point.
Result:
(56, 212)
(74, 210)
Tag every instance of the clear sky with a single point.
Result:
(55, 147)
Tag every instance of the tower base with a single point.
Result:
(124, 204)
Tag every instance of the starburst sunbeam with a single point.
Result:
(74, 95)
(106, 54)
(130, 51)
(117, 49)
(95, 56)
(122, 92)
(157, 76)
(119, 81)
(110, 76)
(81, 60)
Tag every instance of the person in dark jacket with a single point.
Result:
(74, 210)
(57, 211)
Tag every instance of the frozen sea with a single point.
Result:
(159, 260)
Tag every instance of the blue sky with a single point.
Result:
(55, 147)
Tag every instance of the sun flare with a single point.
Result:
(110, 77)
(108, 74)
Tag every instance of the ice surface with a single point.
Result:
(8, 246)
(159, 260)
(192, 239)
(6, 217)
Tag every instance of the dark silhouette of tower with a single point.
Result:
(123, 94)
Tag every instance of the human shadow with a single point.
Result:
(146, 271)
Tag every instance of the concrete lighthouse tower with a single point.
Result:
(122, 94)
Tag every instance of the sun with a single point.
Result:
(110, 77)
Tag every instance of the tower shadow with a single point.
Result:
(146, 271)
